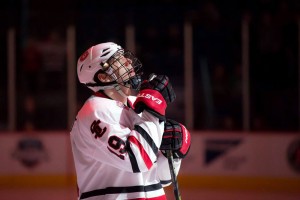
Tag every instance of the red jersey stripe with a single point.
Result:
(143, 153)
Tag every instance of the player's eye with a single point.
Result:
(127, 62)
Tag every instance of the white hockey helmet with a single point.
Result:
(95, 60)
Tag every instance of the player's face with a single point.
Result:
(122, 68)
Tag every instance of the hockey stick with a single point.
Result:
(173, 175)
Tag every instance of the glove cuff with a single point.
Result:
(179, 154)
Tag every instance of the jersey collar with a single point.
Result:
(101, 94)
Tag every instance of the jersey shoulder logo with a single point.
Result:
(96, 129)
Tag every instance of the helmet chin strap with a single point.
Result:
(131, 83)
(119, 90)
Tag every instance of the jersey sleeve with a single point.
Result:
(164, 170)
(115, 135)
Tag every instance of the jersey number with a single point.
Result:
(116, 146)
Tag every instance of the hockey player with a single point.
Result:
(118, 140)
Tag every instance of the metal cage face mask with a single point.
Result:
(124, 68)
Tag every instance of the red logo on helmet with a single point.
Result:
(83, 56)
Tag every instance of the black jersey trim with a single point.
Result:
(165, 182)
(118, 190)
(132, 158)
(147, 137)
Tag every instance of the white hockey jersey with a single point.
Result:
(116, 152)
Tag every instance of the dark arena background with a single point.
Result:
(233, 64)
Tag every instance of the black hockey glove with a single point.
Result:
(154, 96)
(175, 138)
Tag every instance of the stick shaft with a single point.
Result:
(173, 175)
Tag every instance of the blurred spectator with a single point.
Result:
(259, 124)
(31, 66)
(53, 53)
(216, 27)
(173, 45)
(236, 100)
(221, 92)
(150, 50)
(29, 118)
(228, 123)
(274, 67)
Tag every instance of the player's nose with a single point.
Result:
(128, 62)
